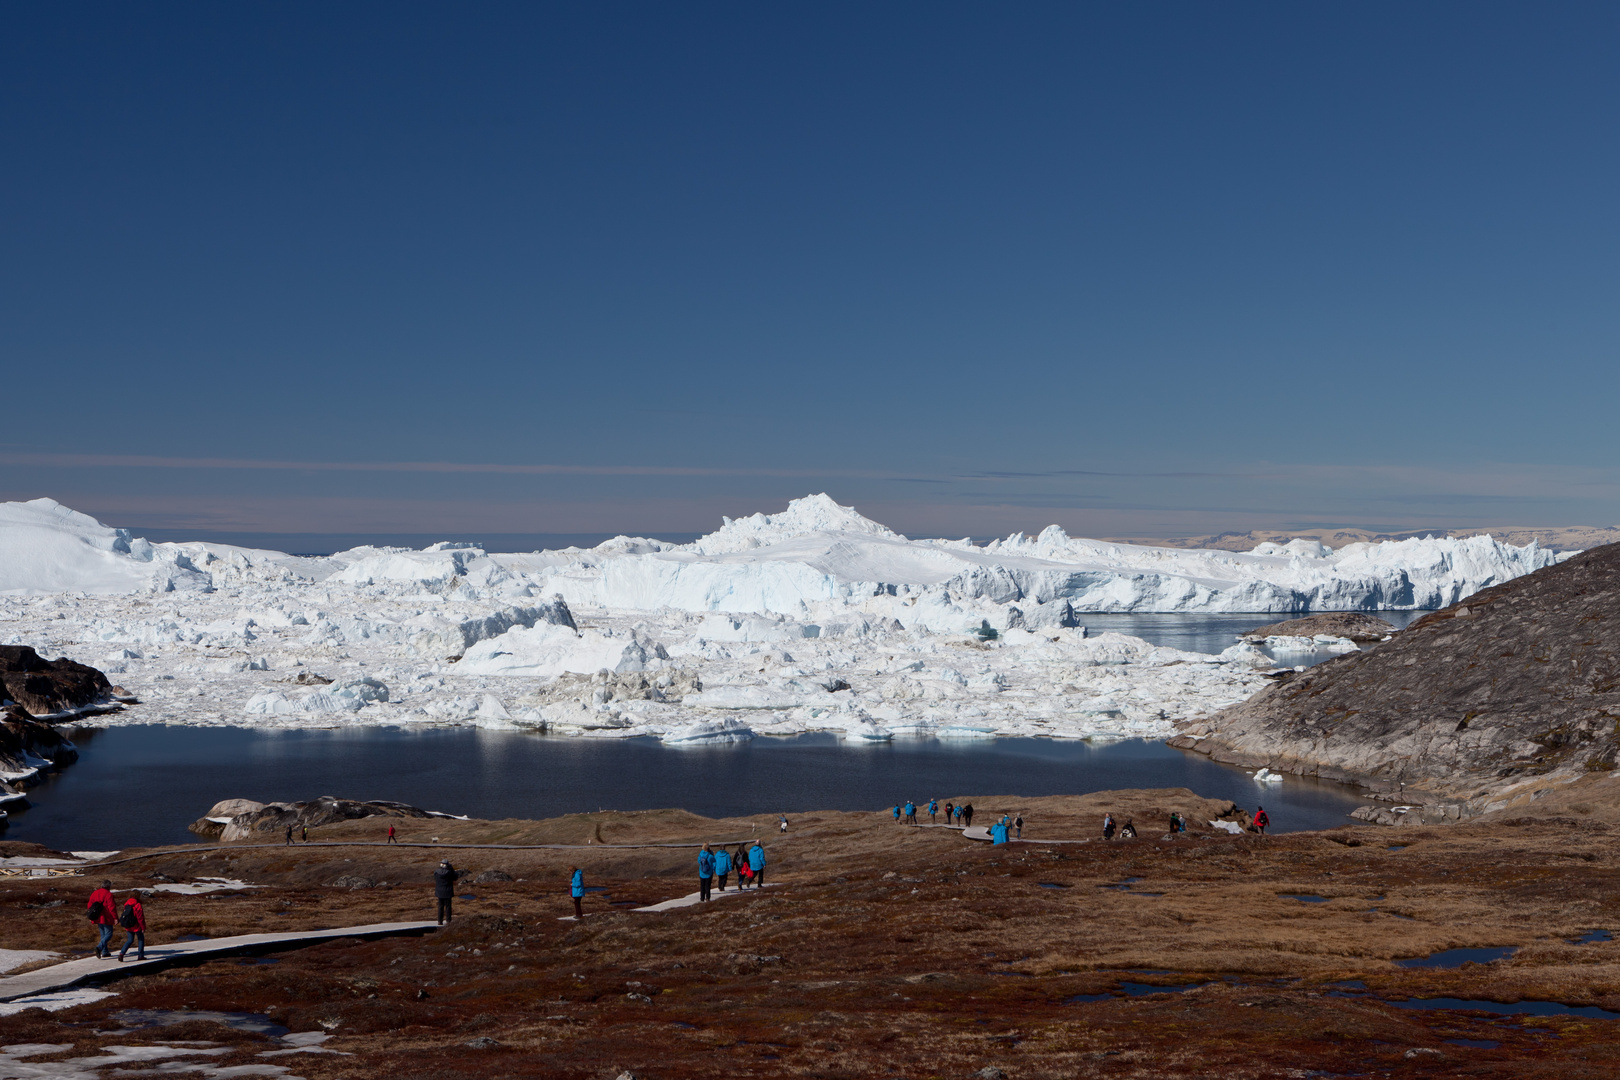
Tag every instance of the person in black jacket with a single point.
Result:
(444, 887)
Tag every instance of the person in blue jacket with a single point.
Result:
(756, 863)
(911, 812)
(576, 888)
(933, 811)
(998, 832)
(722, 867)
(705, 872)
(897, 813)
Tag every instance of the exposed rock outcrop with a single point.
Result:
(1480, 707)
(243, 819)
(1358, 626)
(47, 687)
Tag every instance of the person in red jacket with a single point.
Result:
(133, 919)
(102, 909)
(1261, 820)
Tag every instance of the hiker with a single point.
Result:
(739, 859)
(1261, 820)
(576, 889)
(289, 834)
(100, 908)
(911, 812)
(1129, 830)
(1108, 826)
(950, 813)
(1175, 823)
(722, 867)
(782, 823)
(133, 919)
(705, 872)
(306, 832)
(967, 815)
(444, 888)
(998, 832)
(1018, 824)
(756, 863)
(933, 811)
(897, 813)
(391, 839)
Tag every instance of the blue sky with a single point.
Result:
(1148, 269)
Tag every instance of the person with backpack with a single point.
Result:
(1261, 820)
(967, 816)
(781, 823)
(1018, 826)
(132, 917)
(911, 812)
(897, 813)
(933, 811)
(576, 889)
(306, 834)
(1108, 826)
(444, 889)
(950, 813)
(289, 835)
(722, 867)
(100, 909)
(705, 873)
(756, 863)
(391, 839)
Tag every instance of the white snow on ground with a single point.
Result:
(12, 959)
(812, 619)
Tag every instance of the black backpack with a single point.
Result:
(94, 911)
(126, 918)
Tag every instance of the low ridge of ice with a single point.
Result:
(811, 619)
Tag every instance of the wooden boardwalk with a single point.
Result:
(72, 972)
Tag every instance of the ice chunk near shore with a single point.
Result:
(709, 731)
(1266, 776)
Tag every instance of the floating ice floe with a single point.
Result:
(1266, 776)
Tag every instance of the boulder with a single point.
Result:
(47, 687)
(268, 819)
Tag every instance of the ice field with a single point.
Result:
(812, 619)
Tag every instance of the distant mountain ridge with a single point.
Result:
(1552, 537)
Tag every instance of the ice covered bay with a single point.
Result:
(813, 619)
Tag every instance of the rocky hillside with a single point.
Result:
(1484, 706)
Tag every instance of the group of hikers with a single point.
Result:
(105, 913)
(715, 866)
(906, 813)
(1178, 824)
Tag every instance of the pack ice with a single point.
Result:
(812, 619)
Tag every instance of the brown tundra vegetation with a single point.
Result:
(879, 950)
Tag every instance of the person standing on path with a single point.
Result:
(444, 889)
(1261, 820)
(911, 812)
(133, 919)
(576, 889)
(306, 832)
(897, 813)
(1108, 826)
(1018, 825)
(933, 811)
(705, 873)
(756, 863)
(289, 835)
(101, 909)
(391, 839)
(998, 832)
(950, 814)
(967, 816)
(782, 823)
(722, 867)
(739, 859)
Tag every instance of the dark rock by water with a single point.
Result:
(46, 687)
(1488, 705)
(243, 819)
(1358, 626)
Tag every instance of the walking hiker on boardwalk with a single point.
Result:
(444, 889)
(705, 872)
(933, 811)
(100, 909)
(289, 834)
(950, 814)
(1018, 824)
(133, 919)
(391, 839)
(897, 813)
(306, 832)
(722, 867)
(756, 863)
(1108, 826)
(739, 859)
(1261, 820)
(998, 832)
(967, 816)
(911, 812)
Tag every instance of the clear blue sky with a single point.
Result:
(1139, 269)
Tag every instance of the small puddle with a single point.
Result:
(1050, 885)
(1454, 958)
(595, 888)
(1483, 1044)
(135, 1019)
(1592, 937)
(1305, 898)
(1533, 1008)
(1136, 989)
(1396, 847)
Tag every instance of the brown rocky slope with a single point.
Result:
(1485, 706)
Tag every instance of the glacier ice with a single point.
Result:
(812, 619)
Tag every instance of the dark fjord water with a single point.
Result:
(141, 785)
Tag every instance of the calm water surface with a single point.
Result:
(141, 785)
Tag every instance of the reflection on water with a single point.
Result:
(144, 784)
